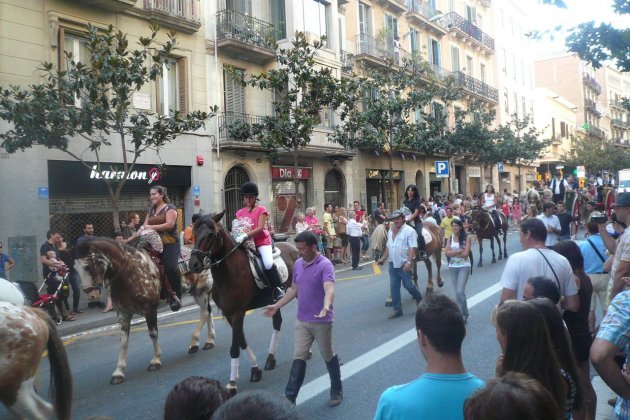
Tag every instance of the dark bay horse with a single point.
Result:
(484, 228)
(433, 249)
(136, 288)
(235, 291)
(25, 333)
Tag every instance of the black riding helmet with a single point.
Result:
(249, 188)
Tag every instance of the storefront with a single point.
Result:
(78, 195)
(286, 205)
(379, 188)
(474, 180)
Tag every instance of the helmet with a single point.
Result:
(249, 188)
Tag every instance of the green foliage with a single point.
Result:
(84, 107)
(597, 155)
(519, 143)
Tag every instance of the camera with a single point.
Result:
(599, 219)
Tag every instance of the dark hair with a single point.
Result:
(442, 322)
(161, 190)
(512, 396)
(257, 405)
(561, 344)
(569, 250)
(592, 227)
(548, 205)
(462, 232)
(528, 346)
(52, 232)
(416, 193)
(307, 237)
(545, 287)
(536, 228)
(195, 217)
(194, 398)
(560, 202)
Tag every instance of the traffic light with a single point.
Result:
(582, 182)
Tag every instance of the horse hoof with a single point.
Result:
(479, 264)
(310, 355)
(153, 367)
(208, 346)
(494, 261)
(231, 388)
(440, 283)
(256, 375)
(193, 349)
(270, 364)
(500, 257)
(117, 380)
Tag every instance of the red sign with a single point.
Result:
(288, 172)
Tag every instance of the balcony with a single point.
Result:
(245, 37)
(590, 82)
(621, 142)
(347, 62)
(597, 132)
(618, 122)
(111, 5)
(467, 31)
(476, 87)
(181, 15)
(396, 6)
(617, 104)
(235, 130)
(422, 15)
(375, 52)
(591, 105)
(437, 73)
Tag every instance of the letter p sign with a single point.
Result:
(441, 168)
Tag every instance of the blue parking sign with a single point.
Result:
(441, 168)
(500, 167)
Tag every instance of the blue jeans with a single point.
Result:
(396, 276)
(459, 276)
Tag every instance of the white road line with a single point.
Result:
(321, 384)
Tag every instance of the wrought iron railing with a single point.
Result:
(233, 24)
(592, 83)
(457, 21)
(589, 103)
(596, 131)
(184, 9)
(422, 8)
(347, 61)
(378, 48)
(617, 121)
(475, 86)
(438, 72)
(237, 126)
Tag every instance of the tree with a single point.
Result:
(597, 156)
(301, 88)
(387, 98)
(85, 107)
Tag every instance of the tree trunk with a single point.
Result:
(296, 180)
(114, 197)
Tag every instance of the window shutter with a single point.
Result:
(182, 85)
(234, 94)
(61, 48)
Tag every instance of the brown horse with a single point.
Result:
(136, 288)
(235, 291)
(483, 226)
(25, 333)
(433, 248)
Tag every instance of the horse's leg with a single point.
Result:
(151, 318)
(505, 254)
(498, 238)
(438, 263)
(270, 364)
(429, 266)
(204, 316)
(494, 258)
(236, 322)
(480, 263)
(28, 404)
(414, 274)
(124, 319)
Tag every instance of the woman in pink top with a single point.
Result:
(256, 216)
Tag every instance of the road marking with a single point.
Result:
(349, 369)
(376, 268)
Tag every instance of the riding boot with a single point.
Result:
(275, 283)
(175, 302)
(336, 390)
(422, 247)
(296, 378)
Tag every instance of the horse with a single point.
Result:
(484, 228)
(433, 248)
(25, 333)
(235, 291)
(135, 285)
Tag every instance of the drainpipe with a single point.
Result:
(216, 69)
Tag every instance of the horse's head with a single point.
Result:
(476, 217)
(91, 262)
(210, 238)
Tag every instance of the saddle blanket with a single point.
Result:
(257, 267)
(426, 235)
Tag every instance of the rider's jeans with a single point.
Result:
(396, 276)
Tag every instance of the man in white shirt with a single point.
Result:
(402, 242)
(551, 222)
(536, 260)
(558, 187)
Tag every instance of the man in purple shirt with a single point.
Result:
(313, 285)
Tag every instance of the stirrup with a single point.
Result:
(277, 294)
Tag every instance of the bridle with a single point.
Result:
(208, 259)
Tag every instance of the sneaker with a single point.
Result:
(357, 268)
(395, 315)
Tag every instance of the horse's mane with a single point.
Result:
(103, 244)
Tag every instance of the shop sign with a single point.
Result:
(289, 172)
(149, 175)
(474, 172)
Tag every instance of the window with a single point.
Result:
(456, 112)
(391, 25)
(315, 18)
(434, 53)
(437, 111)
(171, 95)
(504, 61)
(482, 72)
(523, 106)
(234, 94)
(77, 46)
(241, 6)
(278, 18)
(455, 58)
(516, 104)
(365, 19)
(326, 118)
(417, 116)
(506, 101)
(553, 128)
(563, 129)
(415, 41)
(469, 66)
(513, 66)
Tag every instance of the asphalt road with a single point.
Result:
(376, 352)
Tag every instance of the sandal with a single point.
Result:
(107, 310)
(69, 318)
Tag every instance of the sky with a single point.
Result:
(545, 17)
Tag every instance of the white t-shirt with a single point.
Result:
(552, 238)
(353, 228)
(524, 265)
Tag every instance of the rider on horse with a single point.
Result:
(490, 205)
(412, 202)
(255, 217)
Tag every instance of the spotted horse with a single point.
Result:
(136, 287)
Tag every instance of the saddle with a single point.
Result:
(166, 291)
(426, 234)
(257, 267)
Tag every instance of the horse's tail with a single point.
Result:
(60, 374)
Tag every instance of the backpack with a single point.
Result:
(436, 216)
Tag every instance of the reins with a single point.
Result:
(208, 255)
